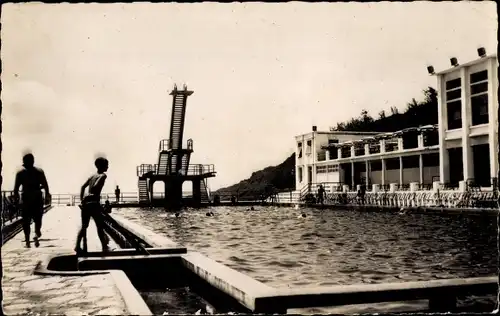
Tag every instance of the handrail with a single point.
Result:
(10, 209)
(192, 169)
(164, 145)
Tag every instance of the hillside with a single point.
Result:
(282, 178)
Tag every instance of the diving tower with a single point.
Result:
(173, 167)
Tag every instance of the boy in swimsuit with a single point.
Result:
(91, 206)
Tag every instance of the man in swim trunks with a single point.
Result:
(91, 206)
(32, 180)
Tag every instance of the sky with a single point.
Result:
(83, 80)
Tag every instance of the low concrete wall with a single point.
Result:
(237, 285)
(260, 298)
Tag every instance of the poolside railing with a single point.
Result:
(11, 209)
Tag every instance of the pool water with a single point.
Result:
(279, 247)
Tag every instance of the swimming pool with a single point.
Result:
(280, 248)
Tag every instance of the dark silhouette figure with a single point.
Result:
(117, 194)
(32, 180)
(321, 194)
(91, 206)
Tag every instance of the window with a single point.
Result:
(431, 138)
(321, 169)
(359, 150)
(374, 148)
(346, 151)
(299, 172)
(391, 145)
(454, 103)
(333, 168)
(309, 147)
(333, 153)
(327, 169)
(479, 97)
(454, 114)
(299, 146)
(410, 140)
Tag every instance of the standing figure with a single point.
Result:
(32, 180)
(321, 194)
(117, 194)
(91, 206)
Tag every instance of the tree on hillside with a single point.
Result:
(416, 114)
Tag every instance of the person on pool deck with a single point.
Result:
(32, 179)
(117, 194)
(91, 206)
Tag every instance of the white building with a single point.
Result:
(462, 146)
(468, 122)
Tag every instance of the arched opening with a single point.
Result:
(187, 190)
(158, 190)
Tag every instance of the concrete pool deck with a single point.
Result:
(25, 292)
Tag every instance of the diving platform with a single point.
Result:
(174, 165)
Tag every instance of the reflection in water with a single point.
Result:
(279, 247)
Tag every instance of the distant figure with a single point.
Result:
(32, 179)
(321, 194)
(117, 194)
(361, 194)
(177, 214)
(233, 200)
(107, 207)
(91, 206)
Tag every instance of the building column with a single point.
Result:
(151, 186)
(367, 149)
(196, 185)
(352, 176)
(420, 140)
(339, 152)
(466, 122)
(400, 170)
(327, 154)
(382, 145)
(492, 117)
(383, 171)
(400, 143)
(421, 167)
(368, 172)
(444, 163)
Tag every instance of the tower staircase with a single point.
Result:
(205, 197)
(143, 191)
